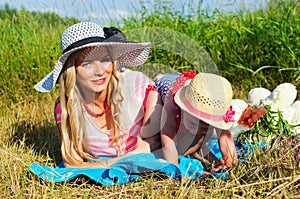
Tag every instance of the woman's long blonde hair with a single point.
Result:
(74, 148)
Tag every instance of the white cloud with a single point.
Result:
(111, 16)
(54, 10)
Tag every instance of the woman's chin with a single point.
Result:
(100, 89)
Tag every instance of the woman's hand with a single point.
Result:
(141, 147)
(154, 142)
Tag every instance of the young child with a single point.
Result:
(194, 107)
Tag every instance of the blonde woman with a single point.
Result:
(100, 111)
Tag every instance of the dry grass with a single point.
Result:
(29, 135)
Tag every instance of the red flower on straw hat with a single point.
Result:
(228, 117)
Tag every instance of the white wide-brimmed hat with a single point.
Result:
(208, 97)
(89, 34)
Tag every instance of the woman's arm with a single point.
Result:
(141, 147)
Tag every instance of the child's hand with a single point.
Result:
(225, 164)
(193, 151)
(228, 150)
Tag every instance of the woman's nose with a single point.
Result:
(98, 68)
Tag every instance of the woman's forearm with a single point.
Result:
(141, 147)
(96, 164)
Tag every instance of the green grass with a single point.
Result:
(250, 49)
(262, 46)
(30, 45)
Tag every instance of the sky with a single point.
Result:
(107, 11)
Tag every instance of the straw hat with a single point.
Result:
(208, 98)
(88, 34)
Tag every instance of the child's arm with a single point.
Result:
(151, 123)
(228, 150)
(153, 108)
(168, 130)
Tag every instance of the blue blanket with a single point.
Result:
(130, 168)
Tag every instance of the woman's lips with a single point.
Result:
(99, 81)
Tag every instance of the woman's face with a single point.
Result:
(93, 71)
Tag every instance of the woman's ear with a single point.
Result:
(121, 69)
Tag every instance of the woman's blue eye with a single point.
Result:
(85, 64)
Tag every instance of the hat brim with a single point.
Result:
(125, 53)
(221, 124)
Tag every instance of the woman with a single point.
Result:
(195, 107)
(100, 111)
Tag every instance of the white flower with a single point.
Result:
(256, 95)
(282, 96)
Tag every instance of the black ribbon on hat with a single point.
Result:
(111, 34)
(83, 42)
(114, 34)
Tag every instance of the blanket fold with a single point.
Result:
(130, 168)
